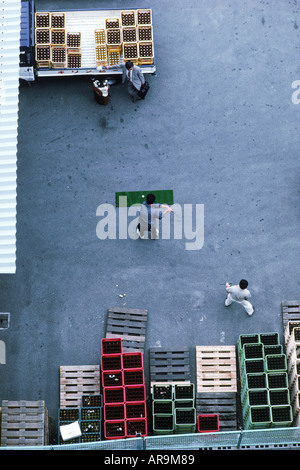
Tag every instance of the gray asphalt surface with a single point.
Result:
(218, 127)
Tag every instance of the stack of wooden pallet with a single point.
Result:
(24, 423)
(172, 393)
(217, 384)
(129, 324)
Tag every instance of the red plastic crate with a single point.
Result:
(135, 393)
(111, 362)
(132, 360)
(115, 429)
(112, 378)
(133, 376)
(114, 411)
(113, 395)
(135, 410)
(136, 427)
(208, 423)
(111, 346)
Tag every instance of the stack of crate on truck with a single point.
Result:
(65, 43)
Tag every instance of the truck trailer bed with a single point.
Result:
(87, 54)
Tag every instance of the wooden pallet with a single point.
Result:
(128, 324)
(76, 381)
(216, 369)
(24, 423)
(222, 404)
(169, 365)
(290, 311)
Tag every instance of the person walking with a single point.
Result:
(149, 214)
(133, 75)
(240, 294)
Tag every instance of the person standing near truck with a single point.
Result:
(134, 77)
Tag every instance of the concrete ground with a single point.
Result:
(218, 127)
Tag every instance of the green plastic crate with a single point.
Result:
(279, 396)
(282, 415)
(184, 391)
(163, 424)
(258, 397)
(277, 380)
(258, 417)
(185, 420)
(251, 351)
(269, 338)
(247, 338)
(276, 362)
(162, 407)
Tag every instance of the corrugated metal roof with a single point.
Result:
(10, 14)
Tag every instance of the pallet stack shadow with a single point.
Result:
(216, 396)
(129, 37)
(124, 394)
(24, 423)
(55, 46)
(173, 396)
(265, 394)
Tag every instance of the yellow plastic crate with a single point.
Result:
(42, 20)
(100, 37)
(112, 23)
(146, 53)
(128, 18)
(73, 39)
(144, 33)
(130, 52)
(144, 17)
(113, 37)
(58, 56)
(42, 36)
(101, 54)
(58, 37)
(43, 53)
(129, 34)
(74, 60)
(58, 20)
(113, 58)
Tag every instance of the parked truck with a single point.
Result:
(64, 43)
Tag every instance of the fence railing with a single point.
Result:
(237, 440)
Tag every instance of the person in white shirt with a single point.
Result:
(240, 294)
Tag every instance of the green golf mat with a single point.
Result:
(164, 196)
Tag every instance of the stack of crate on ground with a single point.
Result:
(87, 419)
(292, 345)
(265, 395)
(24, 423)
(124, 393)
(173, 396)
(173, 408)
(216, 397)
(80, 401)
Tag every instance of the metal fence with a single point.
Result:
(279, 438)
